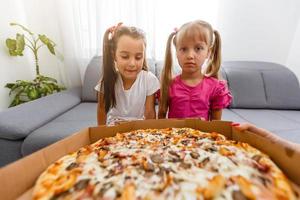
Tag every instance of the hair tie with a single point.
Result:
(175, 30)
(113, 29)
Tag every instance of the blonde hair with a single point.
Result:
(110, 42)
(196, 29)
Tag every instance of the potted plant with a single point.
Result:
(23, 90)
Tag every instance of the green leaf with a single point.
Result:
(15, 87)
(20, 43)
(14, 102)
(44, 39)
(9, 85)
(51, 48)
(12, 46)
(50, 44)
(24, 28)
(33, 94)
(45, 78)
(16, 46)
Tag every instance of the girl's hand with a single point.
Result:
(245, 127)
(250, 127)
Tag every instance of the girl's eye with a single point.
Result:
(183, 49)
(138, 57)
(199, 48)
(125, 57)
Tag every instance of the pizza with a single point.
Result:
(172, 163)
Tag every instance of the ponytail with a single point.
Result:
(215, 57)
(166, 77)
(109, 73)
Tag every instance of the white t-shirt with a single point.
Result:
(130, 104)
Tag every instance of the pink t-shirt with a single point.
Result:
(197, 101)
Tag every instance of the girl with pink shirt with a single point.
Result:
(194, 94)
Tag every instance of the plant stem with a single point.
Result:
(37, 68)
(35, 52)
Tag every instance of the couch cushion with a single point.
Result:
(262, 85)
(292, 135)
(17, 122)
(82, 116)
(293, 115)
(267, 119)
(93, 74)
(229, 115)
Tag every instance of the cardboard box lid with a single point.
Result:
(20, 176)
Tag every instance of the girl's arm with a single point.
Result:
(101, 115)
(150, 107)
(216, 114)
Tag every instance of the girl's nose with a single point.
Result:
(190, 54)
(131, 63)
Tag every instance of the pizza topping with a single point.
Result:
(214, 187)
(211, 149)
(262, 167)
(128, 192)
(174, 153)
(245, 186)
(238, 195)
(81, 184)
(264, 180)
(185, 142)
(185, 165)
(149, 167)
(104, 188)
(225, 151)
(203, 162)
(60, 195)
(72, 166)
(156, 158)
(257, 157)
(194, 155)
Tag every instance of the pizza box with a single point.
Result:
(17, 179)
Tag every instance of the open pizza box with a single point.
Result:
(18, 178)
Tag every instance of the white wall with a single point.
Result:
(11, 68)
(293, 61)
(258, 30)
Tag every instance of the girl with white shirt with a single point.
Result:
(126, 90)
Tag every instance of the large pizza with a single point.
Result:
(173, 163)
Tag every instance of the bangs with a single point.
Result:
(194, 33)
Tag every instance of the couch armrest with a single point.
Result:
(17, 122)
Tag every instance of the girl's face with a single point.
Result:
(191, 54)
(129, 56)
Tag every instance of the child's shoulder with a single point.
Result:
(148, 74)
(214, 81)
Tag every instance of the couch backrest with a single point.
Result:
(261, 85)
(92, 76)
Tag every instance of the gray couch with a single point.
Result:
(265, 94)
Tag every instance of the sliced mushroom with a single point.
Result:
(72, 166)
(238, 195)
(194, 155)
(156, 158)
(81, 184)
